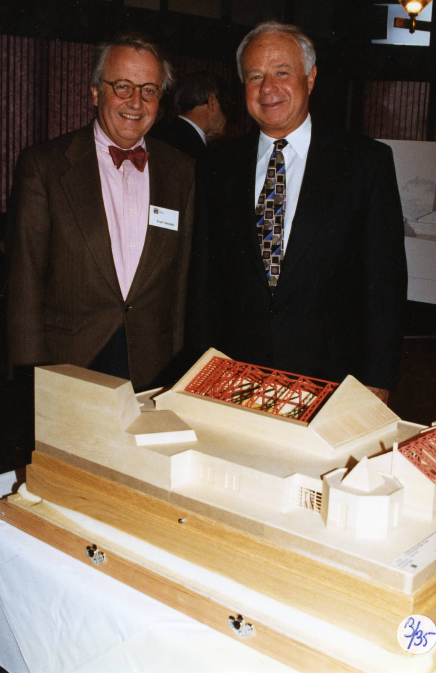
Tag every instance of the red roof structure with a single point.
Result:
(261, 388)
(421, 451)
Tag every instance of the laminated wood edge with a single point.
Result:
(361, 606)
(386, 576)
(265, 640)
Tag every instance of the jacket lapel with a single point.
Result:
(164, 192)
(82, 186)
(244, 196)
(310, 216)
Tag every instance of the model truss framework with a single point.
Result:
(421, 451)
(270, 390)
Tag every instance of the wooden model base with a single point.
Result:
(232, 501)
(283, 641)
(365, 607)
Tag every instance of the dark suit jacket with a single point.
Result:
(337, 308)
(182, 135)
(64, 298)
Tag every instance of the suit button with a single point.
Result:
(273, 313)
(127, 308)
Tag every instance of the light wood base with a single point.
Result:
(47, 524)
(361, 606)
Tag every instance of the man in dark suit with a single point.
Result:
(102, 224)
(200, 102)
(303, 271)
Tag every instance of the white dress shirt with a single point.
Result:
(295, 155)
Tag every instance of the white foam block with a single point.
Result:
(160, 427)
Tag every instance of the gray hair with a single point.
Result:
(135, 41)
(305, 43)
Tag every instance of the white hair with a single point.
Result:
(134, 41)
(305, 43)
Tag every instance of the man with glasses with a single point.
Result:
(102, 221)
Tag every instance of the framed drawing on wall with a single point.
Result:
(415, 164)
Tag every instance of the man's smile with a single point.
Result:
(271, 105)
(127, 116)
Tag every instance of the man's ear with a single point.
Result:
(94, 93)
(212, 102)
(311, 79)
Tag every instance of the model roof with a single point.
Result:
(421, 451)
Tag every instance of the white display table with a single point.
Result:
(58, 615)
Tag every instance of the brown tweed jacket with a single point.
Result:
(64, 298)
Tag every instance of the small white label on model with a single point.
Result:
(415, 558)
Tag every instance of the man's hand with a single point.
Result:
(381, 393)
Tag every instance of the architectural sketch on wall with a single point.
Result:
(415, 165)
(418, 195)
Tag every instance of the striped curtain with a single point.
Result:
(396, 110)
(44, 88)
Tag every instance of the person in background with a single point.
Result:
(299, 260)
(201, 100)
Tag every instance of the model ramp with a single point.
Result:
(351, 413)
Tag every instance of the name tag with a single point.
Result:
(164, 217)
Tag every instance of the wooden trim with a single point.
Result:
(41, 521)
(361, 606)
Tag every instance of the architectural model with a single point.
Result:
(253, 440)
(308, 492)
(372, 486)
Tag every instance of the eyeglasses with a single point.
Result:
(124, 88)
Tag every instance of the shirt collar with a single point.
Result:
(298, 139)
(103, 142)
(200, 132)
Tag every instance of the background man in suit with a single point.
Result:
(101, 239)
(304, 271)
(201, 118)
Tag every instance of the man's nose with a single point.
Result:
(267, 84)
(135, 100)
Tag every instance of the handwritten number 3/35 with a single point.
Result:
(417, 636)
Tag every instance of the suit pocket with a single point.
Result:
(58, 329)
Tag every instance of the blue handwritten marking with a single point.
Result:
(417, 636)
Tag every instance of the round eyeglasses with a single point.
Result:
(124, 88)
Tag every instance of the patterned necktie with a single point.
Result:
(137, 156)
(270, 212)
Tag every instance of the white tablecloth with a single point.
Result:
(58, 615)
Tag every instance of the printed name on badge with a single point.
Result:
(164, 217)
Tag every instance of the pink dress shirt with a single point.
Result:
(126, 198)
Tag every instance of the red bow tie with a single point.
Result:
(137, 156)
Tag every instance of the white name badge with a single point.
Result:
(164, 217)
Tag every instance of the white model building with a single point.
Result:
(284, 484)
(363, 501)
(249, 440)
